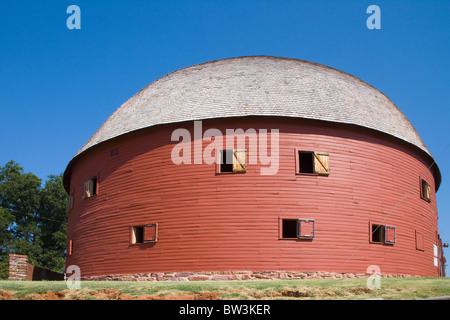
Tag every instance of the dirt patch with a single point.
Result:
(322, 293)
(166, 297)
(360, 290)
(295, 293)
(207, 295)
(125, 296)
(107, 294)
(6, 295)
(52, 296)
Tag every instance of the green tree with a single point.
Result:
(6, 221)
(52, 220)
(32, 218)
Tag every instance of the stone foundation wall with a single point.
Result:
(234, 275)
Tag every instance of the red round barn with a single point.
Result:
(254, 165)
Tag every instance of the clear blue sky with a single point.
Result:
(57, 86)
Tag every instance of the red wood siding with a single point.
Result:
(227, 222)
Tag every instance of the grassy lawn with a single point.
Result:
(342, 289)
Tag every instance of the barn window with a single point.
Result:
(306, 162)
(377, 233)
(419, 241)
(425, 190)
(297, 229)
(137, 234)
(311, 162)
(233, 160)
(145, 233)
(90, 187)
(382, 234)
(289, 229)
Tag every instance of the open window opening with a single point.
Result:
(144, 234)
(137, 235)
(382, 234)
(297, 229)
(311, 162)
(425, 190)
(306, 162)
(377, 233)
(233, 160)
(90, 187)
(289, 229)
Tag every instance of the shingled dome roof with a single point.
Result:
(258, 86)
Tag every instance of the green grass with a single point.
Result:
(343, 289)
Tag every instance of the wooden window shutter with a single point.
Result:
(240, 160)
(419, 241)
(87, 189)
(306, 228)
(321, 163)
(389, 233)
(425, 190)
(150, 232)
(136, 234)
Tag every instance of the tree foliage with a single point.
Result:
(33, 218)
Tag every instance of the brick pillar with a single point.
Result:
(18, 267)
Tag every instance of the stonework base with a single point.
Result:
(235, 275)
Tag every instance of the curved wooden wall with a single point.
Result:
(209, 222)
